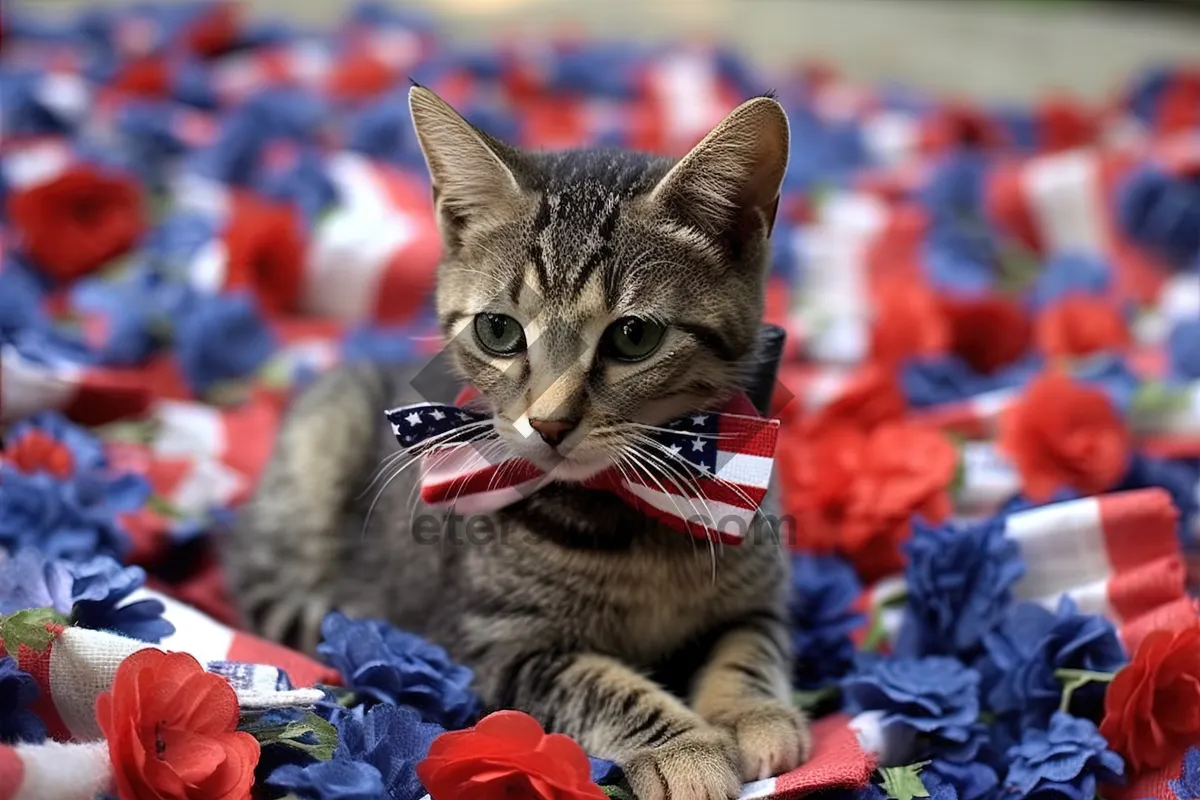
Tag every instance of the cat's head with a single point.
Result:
(586, 293)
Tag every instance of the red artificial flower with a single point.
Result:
(1152, 708)
(216, 31)
(172, 731)
(507, 754)
(144, 77)
(265, 252)
(909, 322)
(1066, 124)
(1064, 434)
(988, 333)
(37, 451)
(1080, 325)
(74, 223)
(871, 397)
(854, 491)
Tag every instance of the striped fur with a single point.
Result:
(660, 652)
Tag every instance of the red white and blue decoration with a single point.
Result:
(986, 430)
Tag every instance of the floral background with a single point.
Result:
(990, 401)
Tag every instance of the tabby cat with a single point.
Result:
(586, 295)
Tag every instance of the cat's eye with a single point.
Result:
(632, 338)
(500, 335)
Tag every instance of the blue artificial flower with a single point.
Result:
(955, 189)
(823, 615)
(28, 580)
(391, 740)
(974, 780)
(21, 296)
(221, 337)
(101, 588)
(960, 258)
(129, 337)
(938, 787)
(337, 779)
(936, 380)
(936, 697)
(18, 691)
(1067, 761)
(63, 519)
(1183, 350)
(1066, 274)
(1023, 652)
(87, 452)
(960, 579)
(388, 665)
(1161, 212)
(91, 592)
(604, 772)
(1187, 785)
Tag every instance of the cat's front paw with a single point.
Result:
(698, 765)
(772, 739)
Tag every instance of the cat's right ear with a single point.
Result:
(471, 180)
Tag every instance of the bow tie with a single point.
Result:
(710, 487)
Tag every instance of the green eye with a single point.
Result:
(632, 339)
(499, 335)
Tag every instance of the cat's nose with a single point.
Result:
(553, 431)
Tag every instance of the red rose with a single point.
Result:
(855, 491)
(870, 397)
(988, 333)
(265, 252)
(172, 731)
(79, 220)
(507, 755)
(1066, 124)
(1152, 709)
(1064, 434)
(907, 470)
(909, 322)
(1080, 325)
(37, 451)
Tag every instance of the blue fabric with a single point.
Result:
(387, 665)
(1067, 759)
(18, 691)
(1022, 653)
(825, 590)
(960, 579)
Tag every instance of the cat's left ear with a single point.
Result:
(728, 185)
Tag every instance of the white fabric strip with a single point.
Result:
(722, 517)
(1064, 193)
(35, 164)
(988, 479)
(1062, 546)
(188, 430)
(64, 771)
(83, 664)
(837, 310)
(195, 633)
(744, 470)
(27, 388)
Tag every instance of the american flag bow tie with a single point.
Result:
(712, 489)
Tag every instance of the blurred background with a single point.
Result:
(1000, 49)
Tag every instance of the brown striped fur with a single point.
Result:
(663, 653)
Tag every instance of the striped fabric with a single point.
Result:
(728, 458)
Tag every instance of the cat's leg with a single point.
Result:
(745, 688)
(667, 751)
(285, 557)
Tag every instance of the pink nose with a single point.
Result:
(552, 431)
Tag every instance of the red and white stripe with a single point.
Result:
(91, 395)
(1064, 203)
(240, 439)
(374, 256)
(976, 417)
(79, 664)
(1115, 554)
(55, 771)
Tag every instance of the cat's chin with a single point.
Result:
(573, 469)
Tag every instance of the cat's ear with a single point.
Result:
(728, 185)
(471, 179)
